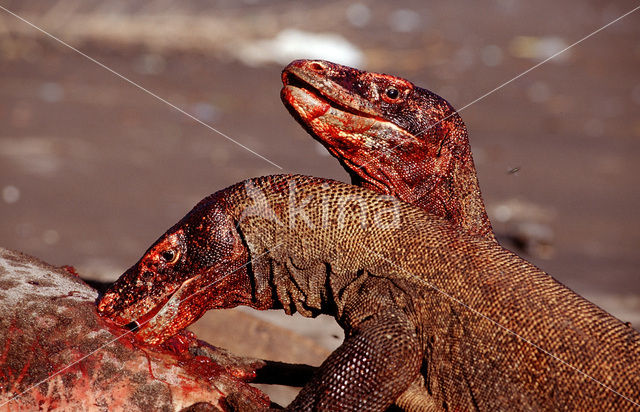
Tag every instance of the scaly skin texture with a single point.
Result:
(391, 136)
(425, 308)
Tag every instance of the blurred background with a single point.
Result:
(93, 169)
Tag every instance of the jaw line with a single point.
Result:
(307, 122)
(168, 307)
(294, 79)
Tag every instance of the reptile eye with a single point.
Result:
(392, 93)
(170, 256)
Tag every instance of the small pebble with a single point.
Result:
(51, 92)
(205, 111)
(150, 64)
(10, 194)
(539, 92)
(358, 14)
(491, 55)
(404, 21)
(50, 237)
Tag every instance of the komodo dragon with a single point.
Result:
(391, 136)
(419, 301)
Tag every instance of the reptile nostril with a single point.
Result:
(132, 326)
(316, 67)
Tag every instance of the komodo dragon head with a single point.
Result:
(391, 136)
(198, 264)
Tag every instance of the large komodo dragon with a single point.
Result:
(391, 136)
(419, 301)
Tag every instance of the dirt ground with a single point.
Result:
(93, 169)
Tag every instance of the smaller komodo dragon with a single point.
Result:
(391, 136)
(420, 302)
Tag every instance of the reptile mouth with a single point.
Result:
(358, 169)
(148, 316)
(291, 79)
(153, 323)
